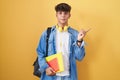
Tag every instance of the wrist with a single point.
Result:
(80, 41)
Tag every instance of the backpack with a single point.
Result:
(36, 71)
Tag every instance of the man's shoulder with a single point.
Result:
(72, 30)
(52, 27)
(45, 31)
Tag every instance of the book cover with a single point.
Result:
(54, 64)
(57, 62)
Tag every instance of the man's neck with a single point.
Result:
(62, 25)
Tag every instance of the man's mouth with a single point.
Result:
(63, 19)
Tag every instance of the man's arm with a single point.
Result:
(79, 49)
(41, 50)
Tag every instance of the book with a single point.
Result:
(54, 64)
(55, 61)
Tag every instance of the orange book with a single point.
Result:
(54, 64)
(55, 61)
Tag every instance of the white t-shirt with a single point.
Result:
(62, 45)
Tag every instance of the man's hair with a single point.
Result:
(63, 7)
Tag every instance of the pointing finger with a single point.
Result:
(88, 30)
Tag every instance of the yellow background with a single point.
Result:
(23, 21)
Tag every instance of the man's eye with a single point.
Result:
(66, 13)
(60, 12)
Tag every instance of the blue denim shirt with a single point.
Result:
(76, 52)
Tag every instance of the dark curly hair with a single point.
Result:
(63, 7)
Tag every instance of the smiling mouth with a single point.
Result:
(63, 19)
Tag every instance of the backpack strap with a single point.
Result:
(47, 38)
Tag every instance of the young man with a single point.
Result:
(63, 39)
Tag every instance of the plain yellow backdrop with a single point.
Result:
(23, 21)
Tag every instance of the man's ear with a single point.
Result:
(56, 14)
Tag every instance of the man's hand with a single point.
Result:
(50, 71)
(82, 34)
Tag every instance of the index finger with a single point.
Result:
(88, 30)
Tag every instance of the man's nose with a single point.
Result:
(63, 15)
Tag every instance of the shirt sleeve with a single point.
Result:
(41, 51)
(79, 51)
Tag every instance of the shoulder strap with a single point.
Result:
(47, 38)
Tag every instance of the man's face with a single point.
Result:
(63, 16)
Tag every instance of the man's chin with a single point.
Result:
(63, 22)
